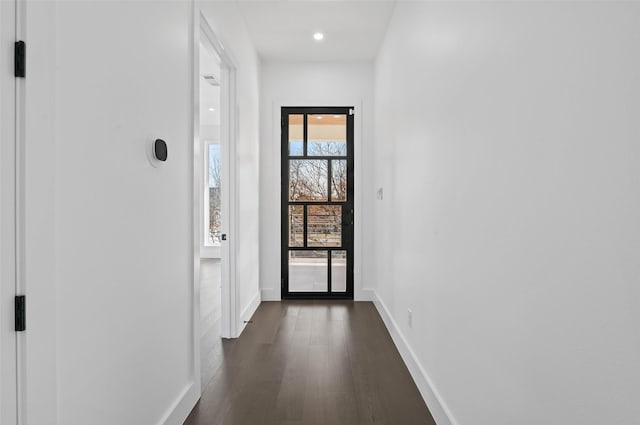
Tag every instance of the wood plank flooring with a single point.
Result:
(310, 363)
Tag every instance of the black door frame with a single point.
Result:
(347, 207)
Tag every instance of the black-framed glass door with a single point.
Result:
(317, 202)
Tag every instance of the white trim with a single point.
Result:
(194, 52)
(274, 294)
(228, 137)
(201, 29)
(249, 310)
(439, 410)
(8, 353)
(183, 405)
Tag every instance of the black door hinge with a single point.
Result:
(20, 59)
(21, 313)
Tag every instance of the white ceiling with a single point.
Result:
(282, 31)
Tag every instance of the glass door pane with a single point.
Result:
(296, 135)
(308, 180)
(214, 195)
(324, 225)
(338, 271)
(327, 135)
(296, 225)
(338, 180)
(308, 271)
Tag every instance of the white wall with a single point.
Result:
(507, 145)
(229, 26)
(107, 237)
(313, 84)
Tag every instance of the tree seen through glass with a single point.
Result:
(215, 217)
(309, 180)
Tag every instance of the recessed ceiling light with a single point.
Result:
(318, 36)
(319, 117)
(212, 109)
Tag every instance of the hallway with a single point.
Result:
(311, 363)
(465, 173)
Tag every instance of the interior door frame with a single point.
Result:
(9, 400)
(229, 199)
(228, 138)
(350, 244)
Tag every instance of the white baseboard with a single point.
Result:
(249, 310)
(182, 406)
(441, 414)
(270, 294)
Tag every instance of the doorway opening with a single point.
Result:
(214, 183)
(212, 212)
(317, 202)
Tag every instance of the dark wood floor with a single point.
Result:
(310, 363)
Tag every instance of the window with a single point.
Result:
(212, 196)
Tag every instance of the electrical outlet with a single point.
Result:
(410, 318)
(380, 194)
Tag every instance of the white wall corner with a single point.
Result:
(248, 311)
(441, 414)
(182, 406)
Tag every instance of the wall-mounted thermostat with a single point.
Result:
(158, 152)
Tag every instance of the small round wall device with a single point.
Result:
(160, 151)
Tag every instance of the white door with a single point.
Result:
(8, 389)
(122, 306)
